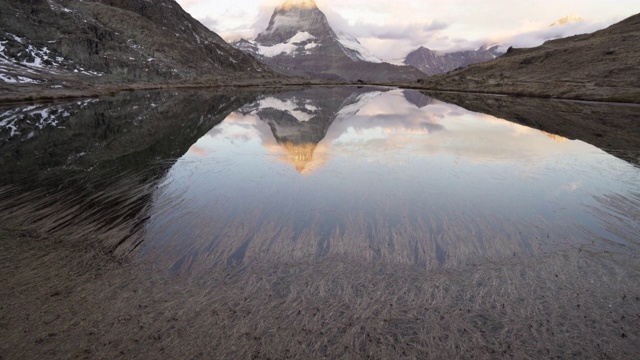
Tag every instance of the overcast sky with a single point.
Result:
(391, 29)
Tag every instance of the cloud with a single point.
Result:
(400, 40)
(538, 37)
(209, 22)
(188, 3)
(390, 30)
(388, 39)
(396, 32)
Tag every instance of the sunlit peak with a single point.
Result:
(573, 18)
(300, 155)
(300, 4)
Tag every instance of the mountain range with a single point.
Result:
(61, 48)
(435, 62)
(300, 41)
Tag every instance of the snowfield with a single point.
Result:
(286, 48)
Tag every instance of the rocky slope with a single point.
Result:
(435, 62)
(598, 66)
(300, 41)
(57, 42)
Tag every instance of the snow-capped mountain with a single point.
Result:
(300, 41)
(434, 62)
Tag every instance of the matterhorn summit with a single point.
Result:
(294, 17)
(300, 4)
(300, 41)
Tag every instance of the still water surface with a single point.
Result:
(384, 175)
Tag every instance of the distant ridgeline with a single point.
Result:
(436, 62)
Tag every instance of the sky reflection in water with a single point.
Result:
(386, 175)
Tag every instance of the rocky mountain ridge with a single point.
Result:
(53, 42)
(434, 62)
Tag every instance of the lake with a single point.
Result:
(368, 221)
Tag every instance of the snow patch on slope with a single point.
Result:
(287, 47)
(34, 60)
(287, 106)
(495, 49)
(28, 119)
(359, 51)
(499, 48)
(17, 79)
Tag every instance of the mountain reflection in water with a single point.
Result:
(378, 175)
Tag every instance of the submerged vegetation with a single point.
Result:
(575, 303)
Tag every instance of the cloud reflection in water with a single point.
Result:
(387, 175)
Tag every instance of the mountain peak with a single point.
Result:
(573, 18)
(293, 17)
(181, 47)
(300, 41)
(297, 4)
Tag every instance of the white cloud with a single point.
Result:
(537, 37)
